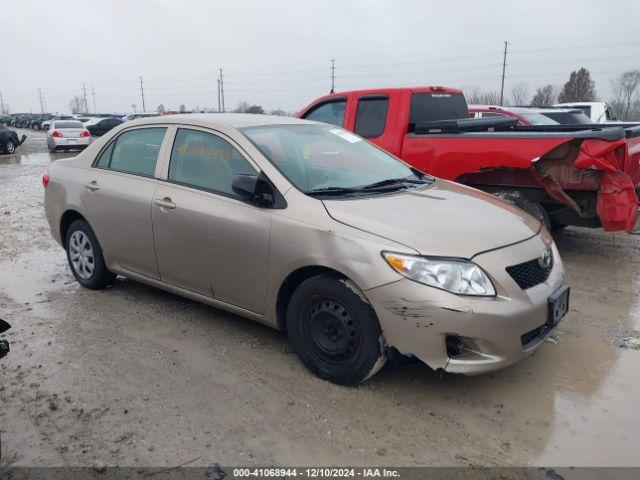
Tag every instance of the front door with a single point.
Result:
(207, 239)
(118, 196)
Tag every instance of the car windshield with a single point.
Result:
(68, 125)
(324, 157)
(538, 119)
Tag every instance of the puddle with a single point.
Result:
(39, 158)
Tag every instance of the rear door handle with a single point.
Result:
(165, 203)
(93, 186)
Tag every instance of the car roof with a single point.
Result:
(233, 120)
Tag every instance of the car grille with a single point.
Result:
(529, 274)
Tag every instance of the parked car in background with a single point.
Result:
(598, 112)
(317, 232)
(67, 135)
(525, 116)
(561, 174)
(36, 123)
(46, 124)
(134, 116)
(100, 126)
(9, 140)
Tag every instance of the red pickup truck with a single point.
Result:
(561, 174)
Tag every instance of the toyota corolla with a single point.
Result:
(312, 230)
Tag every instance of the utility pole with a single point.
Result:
(2, 103)
(84, 96)
(142, 93)
(93, 94)
(222, 90)
(333, 75)
(41, 102)
(219, 104)
(504, 66)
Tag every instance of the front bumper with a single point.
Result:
(416, 319)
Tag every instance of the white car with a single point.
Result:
(598, 112)
(67, 135)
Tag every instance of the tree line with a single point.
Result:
(625, 99)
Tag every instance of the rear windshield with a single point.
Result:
(538, 119)
(69, 125)
(569, 118)
(434, 106)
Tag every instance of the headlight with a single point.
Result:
(456, 276)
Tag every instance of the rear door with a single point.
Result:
(207, 239)
(118, 193)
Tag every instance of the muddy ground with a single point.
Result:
(136, 376)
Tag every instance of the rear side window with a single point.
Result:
(431, 107)
(371, 116)
(105, 156)
(329, 112)
(136, 151)
(207, 161)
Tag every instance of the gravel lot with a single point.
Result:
(135, 376)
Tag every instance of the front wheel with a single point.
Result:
(334, 330)
(85, 257)
(10, 147)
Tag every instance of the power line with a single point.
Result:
(219, 103)
(84, 95)
(222, 89)
(93, 94)
(333, 75)
(504, 67)
(41, 101)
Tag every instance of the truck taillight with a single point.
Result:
(45, 179)
(56, 134)
(85, 133)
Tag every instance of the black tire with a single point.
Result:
(100, 276)
(334, 330)
(535, 209)
(52, 149)
(10, 147)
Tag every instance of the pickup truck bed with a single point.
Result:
(563, 175)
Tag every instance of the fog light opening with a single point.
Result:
(454, 345)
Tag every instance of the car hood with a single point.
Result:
(442, 219)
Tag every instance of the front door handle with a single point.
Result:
(165, 203)
(93, 186)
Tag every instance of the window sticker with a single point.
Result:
(349, 137)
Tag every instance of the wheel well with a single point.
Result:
(289, 286)
(67, 219)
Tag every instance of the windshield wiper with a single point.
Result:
(393, 182)
(331, 191)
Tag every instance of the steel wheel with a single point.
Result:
(81, 254)
(332, 335)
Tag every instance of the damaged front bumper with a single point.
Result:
(420, 321)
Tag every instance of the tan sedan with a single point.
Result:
(308, 228)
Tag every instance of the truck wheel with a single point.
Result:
(85, 257)
(334, 330)
(535, 209)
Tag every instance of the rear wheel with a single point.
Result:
(334, 330)
(85, 257)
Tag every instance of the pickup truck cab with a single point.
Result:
(561, 174)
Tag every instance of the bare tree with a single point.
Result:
(579, 88)
(625, 92)
(478, 97)
(161, 109)
(279, 112)
(182, 108)
(75, 104)
(255, 109)
(544, 96)
(242, 107)
(134, 107)
(520, 94)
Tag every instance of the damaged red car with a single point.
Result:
(561, 174)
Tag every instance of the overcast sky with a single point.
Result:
(278, 53)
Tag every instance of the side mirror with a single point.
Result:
(254, 188)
